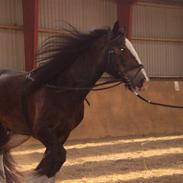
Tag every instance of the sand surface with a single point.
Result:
(113, 160)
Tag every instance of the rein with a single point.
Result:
(116, 82)
(147, 100)
(156, 103)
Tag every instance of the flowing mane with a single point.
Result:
(67, 44)
(59, 52)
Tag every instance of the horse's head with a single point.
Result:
(124, 62)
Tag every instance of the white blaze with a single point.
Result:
(134, 53)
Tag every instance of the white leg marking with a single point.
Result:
(3, 178)
(33, 178)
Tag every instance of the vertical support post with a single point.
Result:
(30, 27)
(124, 14)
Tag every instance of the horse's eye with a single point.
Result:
(122, 49)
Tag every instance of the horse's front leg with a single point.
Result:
(54, 157)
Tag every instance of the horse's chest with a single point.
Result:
(62, 111)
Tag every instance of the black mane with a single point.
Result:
(64, 45)
(59, 52)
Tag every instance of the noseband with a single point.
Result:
(129, 82)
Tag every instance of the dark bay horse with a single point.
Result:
(53, 94)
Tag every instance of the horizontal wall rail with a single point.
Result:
(158, 39)
(52, 31)
(12, 27)
(20, 28)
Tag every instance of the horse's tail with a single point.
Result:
(8, 173)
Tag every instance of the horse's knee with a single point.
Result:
(55, 154)
(52, 162)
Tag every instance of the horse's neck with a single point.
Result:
(84, 72)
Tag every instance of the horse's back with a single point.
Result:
(11, 82)
(9, 72)
(11, 77)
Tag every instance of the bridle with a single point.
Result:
(124, 73)
(129, 82)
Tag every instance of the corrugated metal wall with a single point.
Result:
(158, 38)
(11, 40)
(83, 14)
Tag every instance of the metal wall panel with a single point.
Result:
(11, 12)
(11, 50)
(83, 14)
(11, 42)
(174, 25)
(158, 37)
(161, 59)
(157, 21)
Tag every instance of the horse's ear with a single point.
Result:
(115, 29)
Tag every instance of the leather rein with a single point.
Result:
(117, 82)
